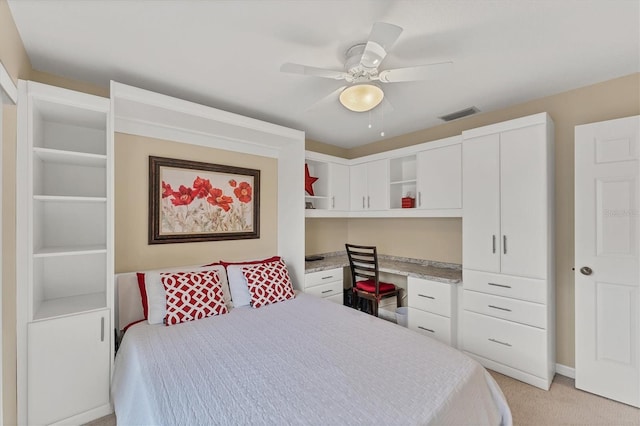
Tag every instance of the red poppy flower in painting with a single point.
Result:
(167, 191)
(201, 187)
(233, 183)
(216, 198)
(243, 192)
(183, 197)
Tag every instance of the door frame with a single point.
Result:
(8, 96)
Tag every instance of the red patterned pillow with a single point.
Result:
(268, 283)
(192, 296)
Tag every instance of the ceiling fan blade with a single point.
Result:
(422, 72)
(382, 37)
(331, 97)
(313, 71)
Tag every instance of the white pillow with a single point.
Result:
(157, 299)
(238, 286)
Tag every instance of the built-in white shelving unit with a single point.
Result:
(65, 255)
(402, 180)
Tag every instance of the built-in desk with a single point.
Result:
(435, 271)
(431, 290)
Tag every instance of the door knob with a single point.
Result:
(585, 270)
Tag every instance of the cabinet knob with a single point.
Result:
(585, 270)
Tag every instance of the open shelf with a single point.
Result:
(70, 305)
(69, 251)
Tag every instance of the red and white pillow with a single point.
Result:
(268, 282)
(192, 295)
(153, 293)
(238, 286)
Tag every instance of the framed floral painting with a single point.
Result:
(190, 201)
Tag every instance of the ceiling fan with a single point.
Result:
(362, 69)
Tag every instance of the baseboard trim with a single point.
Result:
(563, 370)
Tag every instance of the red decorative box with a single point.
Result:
(408, 202)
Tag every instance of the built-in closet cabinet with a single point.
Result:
(507, 240)
(369, 185)
(65, 255)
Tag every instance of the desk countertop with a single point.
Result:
(436, 271)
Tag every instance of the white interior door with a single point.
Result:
(607, 296)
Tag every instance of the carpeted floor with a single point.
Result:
(563, 404)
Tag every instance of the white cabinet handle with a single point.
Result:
(499, 308)
(499, 285)
(494, 244)
(102, 329)
(499, 342)
(504, 244)
(428, 297)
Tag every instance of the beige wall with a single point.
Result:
(604, 101)
(325, 148)
(132, 253)
(12, 53)
(9, 127)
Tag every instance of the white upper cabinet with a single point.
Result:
(439, 178)
(481, 223)
(331, 190)
(369, 183)
(506, 200)
(339, 176)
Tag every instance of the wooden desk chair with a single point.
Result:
(363, 261)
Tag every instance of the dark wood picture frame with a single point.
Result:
(192, 201)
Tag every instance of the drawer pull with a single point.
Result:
(102, 329)
(499, 342)
(428, 297)
(327, 291)
(426, 329)
(499, 308)
(327, 277)
(499, 285)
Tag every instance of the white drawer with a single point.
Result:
(505, 285)
(529, 313)
(322, 277)
(432, 325)
(430, 296)
(326, 290)
(515, 345)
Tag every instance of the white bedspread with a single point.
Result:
(303, 361)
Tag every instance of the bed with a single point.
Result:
(300, 361)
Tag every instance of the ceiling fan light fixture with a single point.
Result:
(361, 97)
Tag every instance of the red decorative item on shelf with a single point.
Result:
(408, 202)
(308, 180)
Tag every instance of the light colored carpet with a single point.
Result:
(563, 404)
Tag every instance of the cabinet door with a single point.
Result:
(339, 174)
(378, 185)
(358, 187)
(481, 200)
(68, 366)
(439, 174)
(524, 203)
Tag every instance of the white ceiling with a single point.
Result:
(227, 54)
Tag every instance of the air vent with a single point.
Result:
(459, 114)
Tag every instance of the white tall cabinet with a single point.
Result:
(508, 318)
(65, 255)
